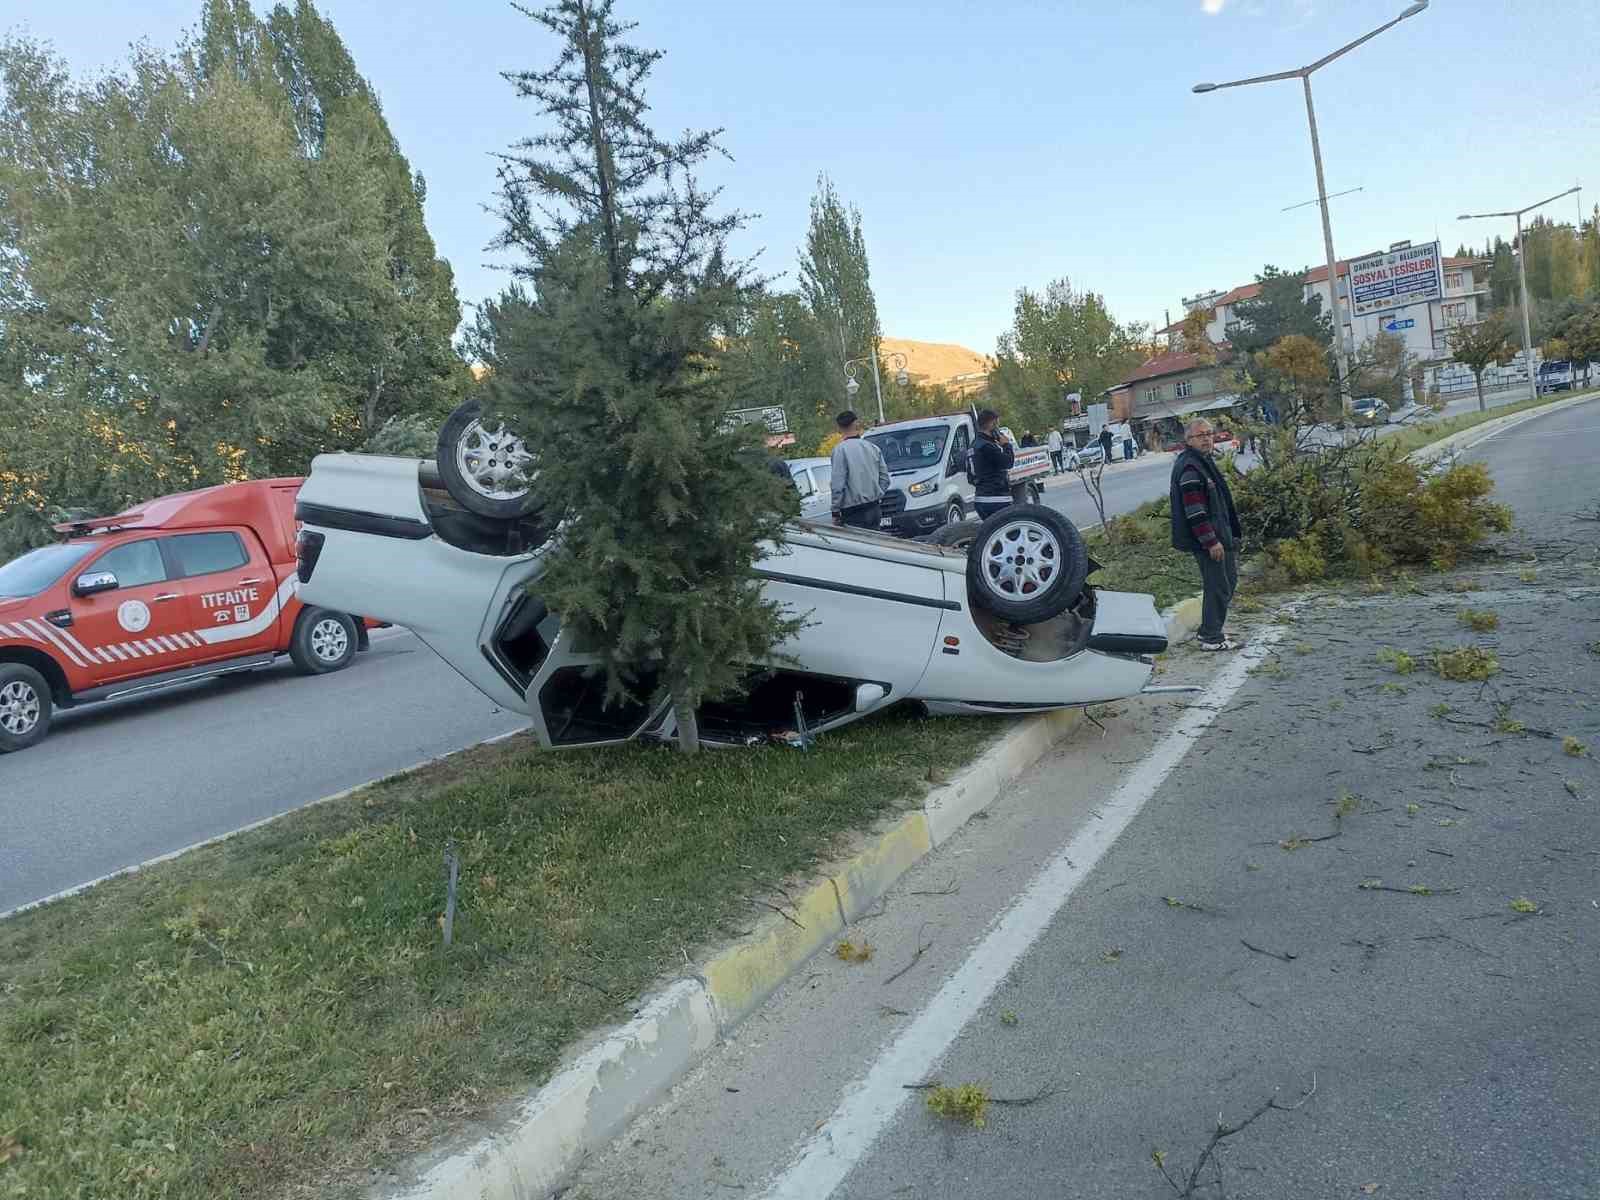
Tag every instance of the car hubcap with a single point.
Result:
(19, 708)
(329, 640)
(493, 461)
(1022, 559)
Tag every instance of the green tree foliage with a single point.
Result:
(1281, 308)
(778, 357)
(1476, 346)
(836, 281)
(215, 266)
(612, 359)
(1379, 369)
(1060, 341)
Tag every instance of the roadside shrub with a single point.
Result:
(1300, 558)
(1433, 520)
(1361, 509)
(1129, 530)
(826, 445)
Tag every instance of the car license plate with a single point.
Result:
(886, 523)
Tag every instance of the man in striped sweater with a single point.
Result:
(1205, 522)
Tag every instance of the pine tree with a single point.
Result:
(611, 362)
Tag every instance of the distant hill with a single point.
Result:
(957, 367)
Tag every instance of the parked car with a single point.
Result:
(1369, 410)
(183, 588)
(813, 479)
(1556, 376)
(889, 619)
(1091, 454)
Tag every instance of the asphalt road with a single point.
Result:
(116, 784)
(1298, 888)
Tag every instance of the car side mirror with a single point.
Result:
(870, 695)
(91, 582)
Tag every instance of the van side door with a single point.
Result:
(231, 593)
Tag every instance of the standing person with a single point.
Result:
(1205, 523)
(860, 476)
(992, 458)
(1105, 441)
(1056, 466)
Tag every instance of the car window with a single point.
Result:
(38, 569)
(134, 563)
(206, 553)
(824, 476)
(802, 481)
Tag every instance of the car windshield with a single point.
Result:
(913, 449)
(1365, 404)
(38, 569)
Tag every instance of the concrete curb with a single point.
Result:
(590, 1100)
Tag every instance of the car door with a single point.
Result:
(229, 589)
(138, 627)
(958, 460)
(818, 506)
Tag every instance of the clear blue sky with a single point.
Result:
(1000, 144)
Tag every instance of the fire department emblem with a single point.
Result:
(133, 615)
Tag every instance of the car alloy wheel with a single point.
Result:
(330, 641)
(19, 708)
(1021, 560)
(492, 461)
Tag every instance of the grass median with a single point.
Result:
(275, 1014)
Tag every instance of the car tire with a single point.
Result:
(25, 707)
(324, 641)
(1046, 581)
(956, 535)
(954, 514)
(470, 462)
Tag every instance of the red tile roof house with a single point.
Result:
(1170, 388)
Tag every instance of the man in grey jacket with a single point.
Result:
(860, 477)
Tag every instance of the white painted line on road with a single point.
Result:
(870, 1104)
(233, 833)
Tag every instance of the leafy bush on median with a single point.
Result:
(1361, 508)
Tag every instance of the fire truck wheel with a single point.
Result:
(323, 641)
(25, 707)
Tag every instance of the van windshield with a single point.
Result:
(38, 569)
(914, 449)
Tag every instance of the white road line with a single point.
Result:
(870, 1104)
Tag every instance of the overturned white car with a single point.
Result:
(1006, 625)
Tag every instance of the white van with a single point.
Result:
(927, 459)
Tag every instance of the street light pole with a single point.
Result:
(1303, 74)
(1340, 351)
(1527, 332)
(1522, 279)
(851, 386)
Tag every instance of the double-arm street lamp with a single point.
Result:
(1303, 74)
(1522, 278)
(851, 386)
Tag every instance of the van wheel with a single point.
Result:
(484, 468)
(1026, 564)
(25, 707)
(954, 513)
(324, 641)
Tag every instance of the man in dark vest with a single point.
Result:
(1205, 523)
